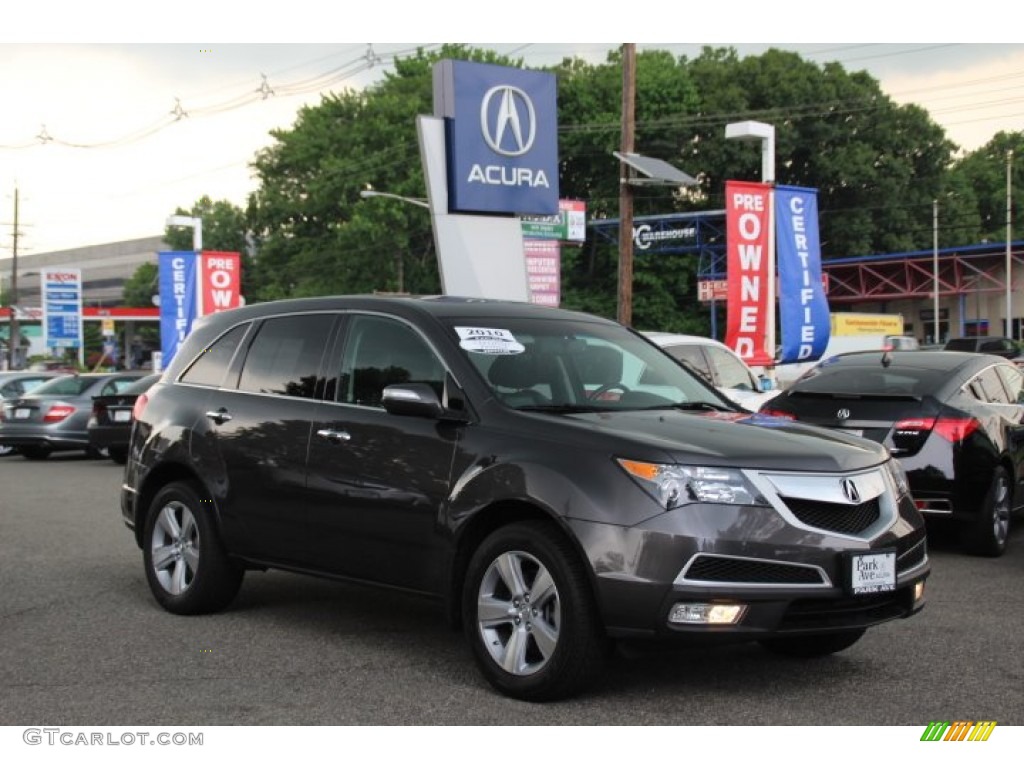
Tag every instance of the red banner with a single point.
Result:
(220, 282)
(747, 221)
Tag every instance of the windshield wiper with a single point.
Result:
(565, 408)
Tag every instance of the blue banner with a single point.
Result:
(803, 307)
(502, 137)
(177, 299)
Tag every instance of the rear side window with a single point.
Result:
(731, 371)
(210, 367)
(379, 352)
(988, 388)
(285, 356)
(692, 355)
(1013, 380)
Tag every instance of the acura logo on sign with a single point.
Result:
(850, 489)
(511, 127)
(843, 413)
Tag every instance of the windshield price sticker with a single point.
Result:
(873, 572)
(489, 341)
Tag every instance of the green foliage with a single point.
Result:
(140, 288)
(877, 165)
(978, 183)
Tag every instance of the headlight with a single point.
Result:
(673, 485)
(899, 478)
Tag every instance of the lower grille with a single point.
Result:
(733, 570)
(861, 611)
(838, 518)
(911, 551)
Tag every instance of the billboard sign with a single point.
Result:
(543, 271)
(501, 126)
(569, 224)
(62, 307)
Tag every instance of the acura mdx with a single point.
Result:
(491, 454)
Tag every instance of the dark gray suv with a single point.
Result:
(555, 478)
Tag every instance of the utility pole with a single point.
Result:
(14, 337)
(625, 314)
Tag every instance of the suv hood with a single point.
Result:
(753, 441)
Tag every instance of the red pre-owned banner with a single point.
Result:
(747, 207)
(220, 282)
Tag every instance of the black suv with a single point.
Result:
(557, 479)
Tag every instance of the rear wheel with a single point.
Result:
(529, 615)
(35, 452)
(118, 455)
(988, 534)
(186, 566)
(812, 646)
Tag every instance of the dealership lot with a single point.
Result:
(83, 642)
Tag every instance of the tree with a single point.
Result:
(140, 288)
(980, 176)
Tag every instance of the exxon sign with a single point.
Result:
(502, 137)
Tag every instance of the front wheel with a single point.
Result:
(529, 615)
(988, 534)
(812, 646)
(186, 566)
(118, 455)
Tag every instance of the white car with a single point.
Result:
(719, 365)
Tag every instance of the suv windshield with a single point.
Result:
(576, 365)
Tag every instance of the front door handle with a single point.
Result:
(334, 435)
(218, 417)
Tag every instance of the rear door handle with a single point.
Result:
(218, 417)
(334, 435)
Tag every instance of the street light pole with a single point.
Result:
(935, 271)
(1009, 236)
(765, 133)
(189, 221)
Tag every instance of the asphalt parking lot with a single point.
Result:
(82, 642)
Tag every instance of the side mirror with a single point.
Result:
(412, 400)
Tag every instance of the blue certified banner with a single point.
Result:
(177, 299)
(502, 137)
(803, 307)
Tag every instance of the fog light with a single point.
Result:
(918, 591)
(706, 613)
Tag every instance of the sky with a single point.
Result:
(109, 126)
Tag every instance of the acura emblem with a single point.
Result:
(503, 126)
(843, 413)
(850, 489)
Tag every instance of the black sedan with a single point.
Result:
(110, 426)
(54, 416)
(955, 421)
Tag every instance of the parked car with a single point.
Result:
(719, 365)
(110, 426)
(489, 454)
(989, 345)
(954, 420)
(16, 383)
(54, 416)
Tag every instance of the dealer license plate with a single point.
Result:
(122, 415)
(22, 413)
(873, 572)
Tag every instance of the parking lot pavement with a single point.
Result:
(82, 642)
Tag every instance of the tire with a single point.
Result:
(6, 450)
(35, 452)
(530, 647)
(988, 534)
(118, 455)
(186, 565)
(94, 453)
(813, 646)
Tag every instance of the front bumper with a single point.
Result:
(789, 579)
